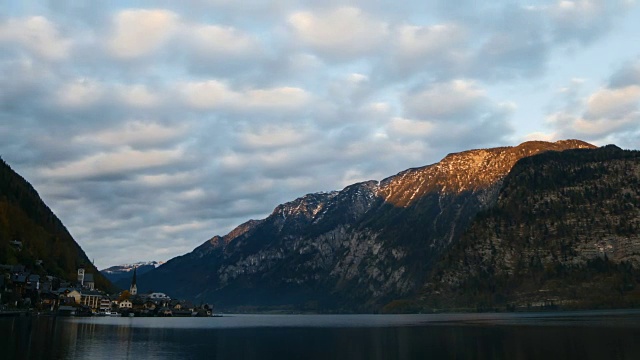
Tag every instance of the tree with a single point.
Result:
(125, 295)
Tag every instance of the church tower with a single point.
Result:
(133, 290)
(81, 276)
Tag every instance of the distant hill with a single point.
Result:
(24, 217)
(120, 275)
(371, 246)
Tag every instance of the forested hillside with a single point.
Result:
(24, 217)
(564, 232)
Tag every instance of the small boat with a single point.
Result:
(108, 313)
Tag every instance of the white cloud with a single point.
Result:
(38, 35)
(277, 98)
(215, 40)
(137, 95)
(410, 128)
(436, 47)
(629, 74)
(213, 94)
(255, 186)
(583, 20)
(167, 180)
(453, 114)
(613, 103)
(208, 94)
(541, 136)
(120, 163)
(233, 162)
(273, 137)
(343, 32)
(180, 228)
(607, 125)
(138, 32)
(603, 127)
(86, 92)
(442, 101)
(80, 93)
(134, 133)
(419, 41)
(608, 114)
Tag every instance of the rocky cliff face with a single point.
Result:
(353, 249)
(468, 171)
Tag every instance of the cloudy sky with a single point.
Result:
(150, 126)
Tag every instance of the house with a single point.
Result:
(105, 304)
(16, 244)
(181, 313)
(6, 267)
(33, 282)
(160, 299)
(159, 296)
(181, 305)
(176, 304)
(70, 295)
(165, 311)
(205, 310)
(91, 298)
(186, 304)
(49, 300)
(19, 281)
(149, 305)
(49, 283)
(125, 304)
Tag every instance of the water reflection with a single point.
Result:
(63, 338)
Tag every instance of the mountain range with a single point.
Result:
(382, 245)
(535, 225)
(121, 275)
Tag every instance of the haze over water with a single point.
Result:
(574, 335)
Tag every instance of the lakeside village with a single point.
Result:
(23, 292)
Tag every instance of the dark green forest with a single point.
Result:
(564, 233)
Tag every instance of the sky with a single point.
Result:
(150, 126)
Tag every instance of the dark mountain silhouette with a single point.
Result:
(25, 218)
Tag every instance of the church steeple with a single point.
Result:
(133, 290)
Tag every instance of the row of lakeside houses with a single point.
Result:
(21, 289)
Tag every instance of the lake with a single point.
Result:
(562, 335)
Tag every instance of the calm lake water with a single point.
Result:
(569, 335)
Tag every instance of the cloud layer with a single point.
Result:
(150, 129)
